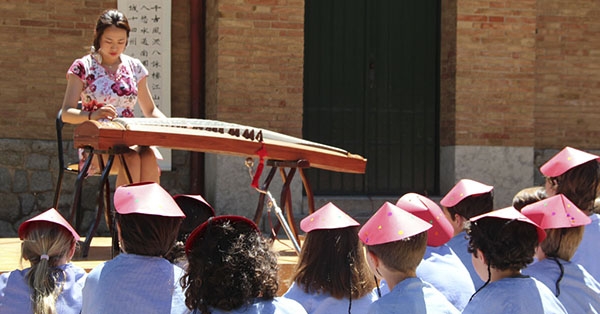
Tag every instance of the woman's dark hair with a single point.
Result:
(473, 205)
(229, 265)
(148, 235)
(109, 18)
(506, 244)
(332, 261)
(579, 184)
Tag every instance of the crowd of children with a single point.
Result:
(535, 256)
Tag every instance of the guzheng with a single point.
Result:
(213, 136)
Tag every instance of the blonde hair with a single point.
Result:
(562, 242)
(45, 245)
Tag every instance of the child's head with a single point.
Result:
(396, 238)
(528, 196)
(332, 258)
(48, 241)
(426, 209)
(49, 235)
(575, 174)
(564, 224)
(506, 239)
(468, 198)
(196, 209)
(229, 264)
(148, 219)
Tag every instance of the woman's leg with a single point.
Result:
(149, 170)
(132, 159)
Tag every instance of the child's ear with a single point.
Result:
(481, 257)
(72, 251)
(373, 258)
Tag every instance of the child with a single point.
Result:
(232, 269)
(395, 242)
(528, 196)
(440, 266)
(468, 198)
(502, 243)
(332, 275)
(196, 210)
(139, 280)
(575, 174)
(577, 290)
(52, 284)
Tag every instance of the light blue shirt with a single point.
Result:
(324, 303)
(459, 244)
(588, 252)
(579, 291)
(277, 305)
(412, 295)
(132, 283)
(523, 295)
(442, 268)
(15, 293)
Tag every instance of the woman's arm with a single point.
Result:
(71, 114)
(146, 102)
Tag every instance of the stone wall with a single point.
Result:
(28, 181)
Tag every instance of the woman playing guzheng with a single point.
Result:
(109, 83)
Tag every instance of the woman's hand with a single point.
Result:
(105, 112)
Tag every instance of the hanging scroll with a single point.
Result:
(150, 41)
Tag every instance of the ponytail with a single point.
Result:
(45, 246)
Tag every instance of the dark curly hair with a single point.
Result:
(229, 265)
(506, 244)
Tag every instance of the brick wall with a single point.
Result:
(254, 63)
(568, 74)
(526, 74)
(495, 73)
(40, 40)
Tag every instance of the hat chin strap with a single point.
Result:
(489, 270)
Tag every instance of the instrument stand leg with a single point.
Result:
(286, 195)
(100, 206)
(103, 201)
(75, 218)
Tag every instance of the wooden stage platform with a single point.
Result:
(100, 251)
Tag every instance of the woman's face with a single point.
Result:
(112, 43)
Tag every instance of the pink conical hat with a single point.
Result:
(556, 212)
(390, 224)
(146, 198)
(327, 217)
(566, 159)
(510, 213)
(426, 209)
(51, 215)
(463, 189)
